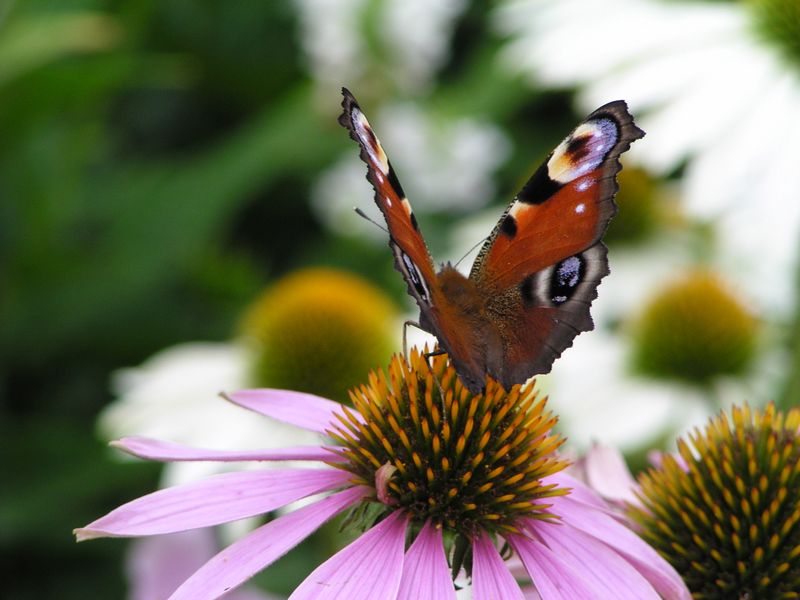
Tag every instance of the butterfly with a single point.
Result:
(530, 288)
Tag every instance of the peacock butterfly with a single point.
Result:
(529, 291)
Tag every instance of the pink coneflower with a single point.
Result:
(441, 482)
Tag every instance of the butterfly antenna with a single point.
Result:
(468, 252)
(364, 215)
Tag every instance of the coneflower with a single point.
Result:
(440, 481)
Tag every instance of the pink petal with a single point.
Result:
(157, 565)
(608, 474)
(382, 478)
(368, 569)
(529, 592)
(426, 575)
(296, 408)
(554, 578)
(579, 491)
(649, 563)
(172, 452)
(217, 499)
(598, 564)
(491, 579)
(260, 548)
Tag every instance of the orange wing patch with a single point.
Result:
(532, 237)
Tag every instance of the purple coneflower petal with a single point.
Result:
(599, 565)
(491, 579)
(649, 563)
(368, 569)
(211, 501)
(607, 473)
(246, 557)
(295, 408)
(553, 577)
(425, 572)
(170, 451)
(157, 565)
(579, 491)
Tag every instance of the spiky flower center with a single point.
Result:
(318, 330)
(695, 329)
(467, 462)
(728, 519)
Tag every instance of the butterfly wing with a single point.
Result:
(541, 265)
(411, 255)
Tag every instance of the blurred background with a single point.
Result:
(176, 219)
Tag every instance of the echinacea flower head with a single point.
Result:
(726, 511)
(695, 329)
(319, 330)
(465, 463)
(438, 482)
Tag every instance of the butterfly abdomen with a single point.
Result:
(464, 329)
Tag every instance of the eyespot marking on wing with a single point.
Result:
(567, 279)
(583, 150)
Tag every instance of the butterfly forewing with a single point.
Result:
(566, 205)
(411, 254)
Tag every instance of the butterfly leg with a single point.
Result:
(427, 355)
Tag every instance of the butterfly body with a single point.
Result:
(459, 319)
(528, 293)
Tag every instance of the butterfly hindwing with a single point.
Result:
(544, 314)
(544, 260)
(411, 254)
